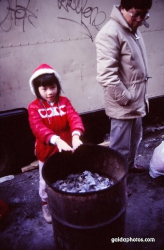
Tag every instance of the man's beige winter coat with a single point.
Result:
(122, 68)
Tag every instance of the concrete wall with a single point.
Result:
(61, 33)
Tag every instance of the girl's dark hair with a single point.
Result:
(46, 80)
(137, 4)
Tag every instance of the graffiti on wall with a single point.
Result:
(85, 12)
(19, 13)
(14, 12)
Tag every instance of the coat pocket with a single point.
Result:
(119, 93)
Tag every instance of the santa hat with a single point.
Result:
(40, 70)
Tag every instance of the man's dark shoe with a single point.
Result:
(137, 169)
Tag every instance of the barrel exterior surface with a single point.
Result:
(85, 221)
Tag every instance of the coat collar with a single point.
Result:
(118, 17)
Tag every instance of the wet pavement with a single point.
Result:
(25, 229)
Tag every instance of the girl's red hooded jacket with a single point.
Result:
(61, 119)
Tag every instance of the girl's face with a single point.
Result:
(48, 93)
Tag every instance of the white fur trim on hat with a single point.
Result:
(42, 69)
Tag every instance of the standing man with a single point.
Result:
(122, 71)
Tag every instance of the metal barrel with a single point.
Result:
(85, 221)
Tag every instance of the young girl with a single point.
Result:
(54, 122)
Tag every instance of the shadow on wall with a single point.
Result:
(97, 126)
(16, 141)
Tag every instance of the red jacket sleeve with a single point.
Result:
(39, 129)
(74, 119)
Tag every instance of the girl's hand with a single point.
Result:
(62, 145)
(76, 142)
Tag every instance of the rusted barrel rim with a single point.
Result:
(90, 192)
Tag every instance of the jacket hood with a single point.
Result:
(118, 17)
(40, 70)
